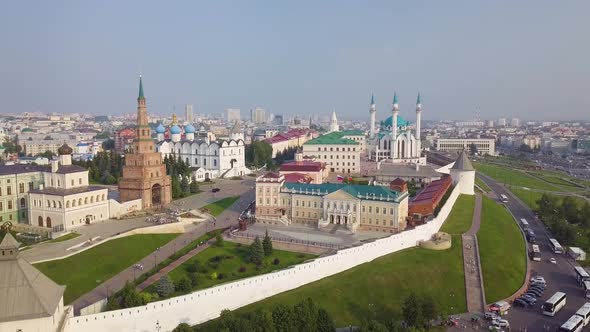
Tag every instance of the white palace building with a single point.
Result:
(208, 158)
(395, 141)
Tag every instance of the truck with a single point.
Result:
(576, 253)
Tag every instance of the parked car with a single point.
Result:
(538, 286)
(529, 299)
(552, 260)
(538, 279)
(520, 303)
(501, 323)
(534, 292)
(488, 315)
(215, 190)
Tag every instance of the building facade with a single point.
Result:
(340, 154)
(232, 115)
(484, 145)
(292, 138)
(258, 115)
(16, 181)
(66, 200)
(124, 139)
(144, 173)
(354, 207)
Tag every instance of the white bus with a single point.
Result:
(586, 286)
(584, 312)
(536, 253)
(555, 246)
(574, 324)
(503, 198)
(525, 224)
(554, 304)
(581, 275)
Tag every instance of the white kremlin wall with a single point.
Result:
(207, 304)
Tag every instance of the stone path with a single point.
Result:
(471, 263)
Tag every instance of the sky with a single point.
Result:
(526, 59)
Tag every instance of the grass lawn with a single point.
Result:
(515, 177)
(530, 198)
(482, 185)
(387, 281)
(556, 179)
(66, 237)
(81, 271)
(234, 256)
(502, 251)
(216, 208)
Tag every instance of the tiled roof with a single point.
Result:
(354, 132)
(66, 192)
(376, 193)
(297, 178)
(432, 191)
(301, 166)
(18, 169)
(407, 171)
(332, 138)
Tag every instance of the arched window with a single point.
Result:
(48, 203)
(80, 201)
(73, 203)
(102, 197)
(91, 199)
(40, 221)
(67, 204)
(85, 200)
(21, 188)
(59, 204)
(23, 203)
(48, 222)
(54, 205)
(97, 198)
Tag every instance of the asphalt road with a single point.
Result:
(559, 277)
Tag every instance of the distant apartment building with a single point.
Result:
(580, 145)
(188, 113)
(124, 139)
(232, 114)
(258, 115)
(484, 145)
(278, 120)
(515, 122)
(34, 144)
(502, 122)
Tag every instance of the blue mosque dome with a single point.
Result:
(189, 129)
(175, 129)
(160, 129)
(401, 122)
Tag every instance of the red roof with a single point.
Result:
(297, 178)
(271, 175)
(398, 181)
(301, 166)
(433, 191)
(290, 134)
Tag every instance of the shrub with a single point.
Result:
(165, 286)
(214, 276)
(183, 285)
(276, 261)
(229, 257)
(242, 269)
(196, 279)
(220, 276)
(219, 240)
(217, 259)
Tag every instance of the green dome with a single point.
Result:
(401, 122)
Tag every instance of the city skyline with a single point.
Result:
(299, 59)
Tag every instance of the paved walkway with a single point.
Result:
(228, 218)
(471, 263)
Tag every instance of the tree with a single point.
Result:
(373, 326)
(113, 303)
(165, 286)
(108, 145)
(569, 210)
(183, 327)
(284, 318)
(473, 149)
(262, 320)
(412, 311)
(219, 240)
(256, 251)
(584, 214)
(429, 310)
(267, 244)
(185, 185)
(194, 186)
(325, 323)
(47, 154)
(183, 285)
(306, 315)
(130, 297)
(176, 187)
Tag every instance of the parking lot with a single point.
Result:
(559, 276)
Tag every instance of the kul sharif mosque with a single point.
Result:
(396, 140)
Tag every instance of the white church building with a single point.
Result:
(208, 158)
(396, 140)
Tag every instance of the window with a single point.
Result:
(21, 188)
(391, 211)
(370, 209)
(67, 204)
(377, 210)
(72, 182)
(9, 205)
(214, 162)
(59, 204)
(80, 181)
(52, 182)
(54, 205)
(58, 183)
(86, 200)
(1, 207)
(0, 191)
(9, 190)
(363, 209)
(79, 201)
(315, 204)
(91, 199)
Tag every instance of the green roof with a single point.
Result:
(140, 89)
(27, 130)
(374, 193)
(333, 138)
(401, 122)
(353, 133)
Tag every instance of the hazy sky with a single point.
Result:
(509, 58)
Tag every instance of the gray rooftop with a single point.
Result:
(407, 171)
(26, 293)
(462, 163)
(65, 192)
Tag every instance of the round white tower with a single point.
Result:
(395, 111)
(418, 124)
(463, 174)
(372, 112)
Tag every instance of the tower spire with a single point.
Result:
(372, 98)
(418, 100)
(141, 96)
(394, 98)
